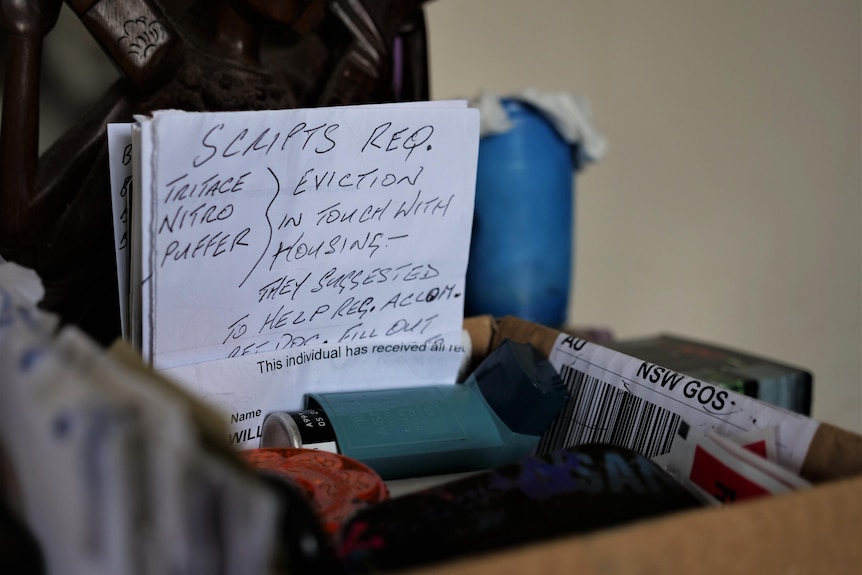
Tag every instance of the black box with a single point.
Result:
(768, 380)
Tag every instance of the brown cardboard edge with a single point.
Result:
(523, 331)
(817, 530)
(480, 328)
(834, 453)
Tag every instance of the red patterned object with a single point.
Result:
(337, 486)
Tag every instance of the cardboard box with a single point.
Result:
(818, 530)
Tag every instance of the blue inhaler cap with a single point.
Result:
(521, 386)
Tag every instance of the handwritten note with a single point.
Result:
(120, 154)
(293, 229)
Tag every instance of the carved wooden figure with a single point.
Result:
(55, 213)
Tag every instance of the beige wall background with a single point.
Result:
(729, 205)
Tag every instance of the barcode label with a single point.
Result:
(598, 412)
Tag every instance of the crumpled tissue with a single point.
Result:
(569, 114)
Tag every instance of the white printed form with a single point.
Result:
(618, 399)
(292, 230)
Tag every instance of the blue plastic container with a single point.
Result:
(523, 234)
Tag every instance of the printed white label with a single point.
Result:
(615, 398)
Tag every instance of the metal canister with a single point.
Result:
(309, 428)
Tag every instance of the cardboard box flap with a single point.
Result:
(481, 330)
(834, 453)
(517, 329)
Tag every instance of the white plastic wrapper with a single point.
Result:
(570, 115)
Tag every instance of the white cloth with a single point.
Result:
(569, 114)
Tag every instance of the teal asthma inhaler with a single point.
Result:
(497, 416)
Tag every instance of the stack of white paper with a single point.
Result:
(273, 253)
